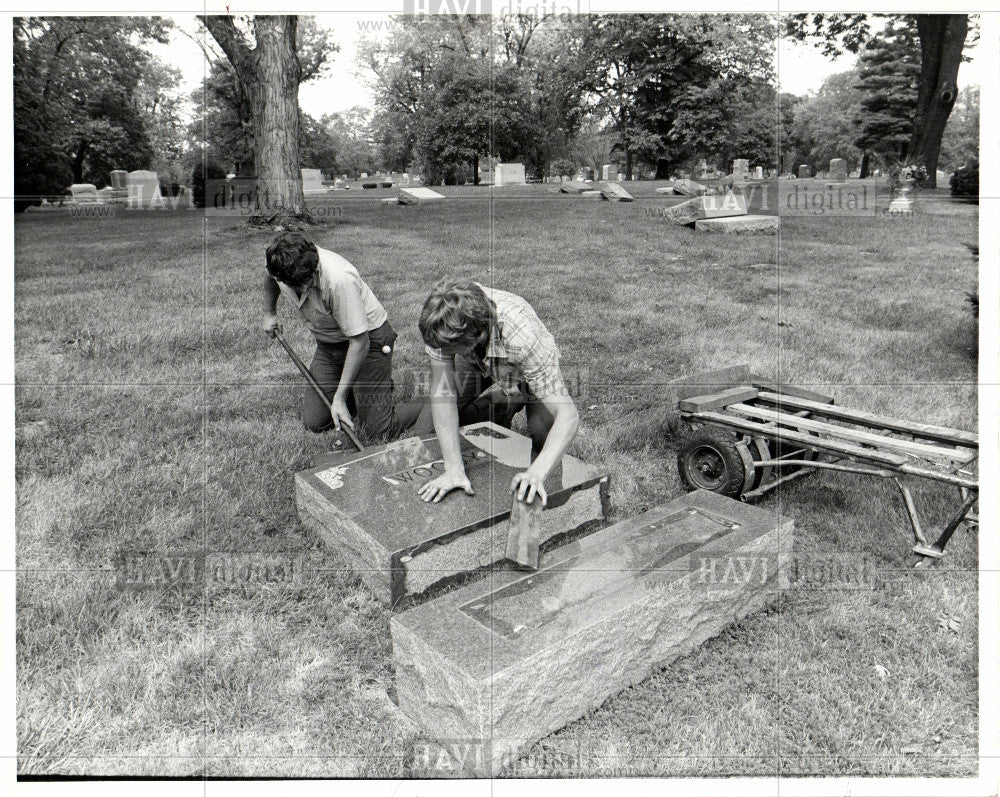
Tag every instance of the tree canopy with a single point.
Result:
(80, 91)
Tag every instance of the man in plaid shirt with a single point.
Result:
(490, 357)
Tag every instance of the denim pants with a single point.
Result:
(371, 396)
(476, 403)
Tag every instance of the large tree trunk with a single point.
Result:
(942, 38)
(865, 170)
(274, 103)
(78, 158)
(269, 73)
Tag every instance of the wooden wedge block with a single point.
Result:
(716, 401)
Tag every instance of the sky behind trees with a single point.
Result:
(801, 67)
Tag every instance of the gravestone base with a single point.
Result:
(365, 506)
(502, 663)
(740, 225)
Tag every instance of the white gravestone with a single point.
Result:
(312, 182)
(84, 194)
(144, 190)
(509, 174)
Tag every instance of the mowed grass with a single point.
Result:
(152, 415)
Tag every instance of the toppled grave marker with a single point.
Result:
(689, 188)
(706, 207)
(740, 225)
(508, 660)
(366, 507)
(615, 193)
(575, 187)
(592, 195)
(667, 190)
(418, 196)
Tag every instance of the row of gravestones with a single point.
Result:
(139, 190)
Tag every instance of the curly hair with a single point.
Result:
(456, 313)
(292, 258)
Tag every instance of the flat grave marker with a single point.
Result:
(508, 660)
(740, 225)
(418, 196)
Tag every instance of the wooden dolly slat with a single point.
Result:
(900, 463)
(937, 433)
(807, 441)
(881, 442)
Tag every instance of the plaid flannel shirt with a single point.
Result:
(520, 348)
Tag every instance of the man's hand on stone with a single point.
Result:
(525, 486)
(438, 488)
(271, 325)
(340, 414)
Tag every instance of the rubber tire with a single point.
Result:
(728, 474)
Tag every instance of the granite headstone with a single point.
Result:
(366, 507)
(506, 661)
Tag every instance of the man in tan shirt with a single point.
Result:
(354, 339)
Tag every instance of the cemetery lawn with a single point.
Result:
(152, 414)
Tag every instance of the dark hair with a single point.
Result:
(457, 313)
(292, 258)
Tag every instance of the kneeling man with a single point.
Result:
(490, 357)
(354, 339)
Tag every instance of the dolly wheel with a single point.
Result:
(710, 462)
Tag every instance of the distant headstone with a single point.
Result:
(183, 200)
(144, 190)
(365, 506)
(364, 175)
(609, 171)
(418, 196)
(740, 225)
(838, 170)
(507, 660)
(943, 179)
(686, 187)
(804, 171)
(701, 170)
(312, 182)
(615, 193)
(741, 169)
(84, 194)
(509, 174)
(119, 181)
(706, 207)
(758, 173)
